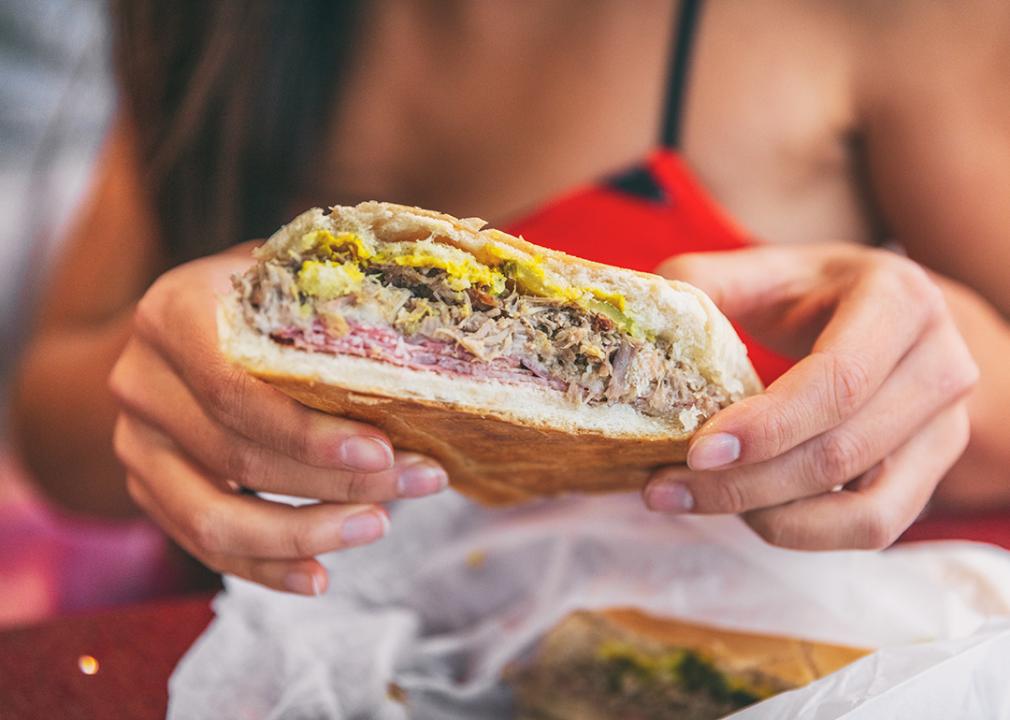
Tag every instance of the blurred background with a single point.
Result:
(56, 101)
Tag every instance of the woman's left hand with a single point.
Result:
(845, 449)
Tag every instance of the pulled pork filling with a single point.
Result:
(426, 318)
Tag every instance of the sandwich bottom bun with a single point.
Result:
(625, 664)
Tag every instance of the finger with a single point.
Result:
(743, 281)
(931, 377)
(873, 327)
(304, 577)
(161, 399)
(780, 295)
(184, 301)
(412, 476)
(872, 516)
(217, 522)
(251, 409)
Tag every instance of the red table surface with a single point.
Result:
(138, 647)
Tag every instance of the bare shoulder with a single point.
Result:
(769, 115)
(916, 49)
(933, 99)
(862, 120)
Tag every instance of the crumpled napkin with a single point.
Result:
(421, 624)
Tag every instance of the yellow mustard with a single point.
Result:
(327, 280)
(340, 273)
(461, 274)
(336, 247)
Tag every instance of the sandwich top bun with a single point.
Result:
(500, 442)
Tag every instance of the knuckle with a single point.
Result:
(123, 384)
(121, 439)
(729, 496)
(206, 532)
(774, 431)
(241, 462)
(965, 376)
(218, 396)
(301, 542)
(220, 564)
(971, 374)
(135, 490)
(960, 372)
(225, 396)
(876, 528)
(357, 487)
(770, 529)
(147, 315)
(930, 297)
(957, 380)
(910, 282)
(961, 431)
(304, 441)
(920, 288)
(765, 530)
(849, 381)
(118, 382)
(836, 457)
(125, 447)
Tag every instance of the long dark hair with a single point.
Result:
(229, 100)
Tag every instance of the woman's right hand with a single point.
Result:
(193, 429)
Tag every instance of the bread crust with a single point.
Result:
(499, 444)
(561, 680)
(794, 661)
(492, 460)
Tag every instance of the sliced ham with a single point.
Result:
(444, 357)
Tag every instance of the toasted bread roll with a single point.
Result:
(525, 371)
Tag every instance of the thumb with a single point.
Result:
(742, 282)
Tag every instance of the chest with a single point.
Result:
(495, 111)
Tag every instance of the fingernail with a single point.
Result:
(366, 454)
(364, 527)
(302, 583)
(421, 479)
(712, 451)
(669, 497)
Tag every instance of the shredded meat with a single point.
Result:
(413, 317)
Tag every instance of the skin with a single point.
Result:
(822, 127)
(884, 339)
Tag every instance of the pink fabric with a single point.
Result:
(51, 563)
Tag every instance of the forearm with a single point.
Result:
(981, 478)
(63, 415)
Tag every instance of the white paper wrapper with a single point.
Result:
(456, 592)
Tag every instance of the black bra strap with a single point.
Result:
(680, 61)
